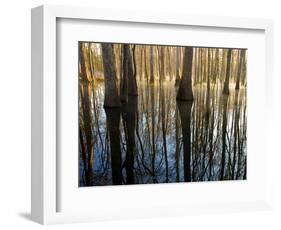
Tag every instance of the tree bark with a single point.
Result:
(226, 82)
(151, 65)
(177, 66)
(185, 89)
(161, 64)
(90, 57)
(83, 70)
(132, 80)
(209, 70)
(124, 74)
(111, 96)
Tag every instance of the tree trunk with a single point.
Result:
(177, 66)
(209, 70)
(161, 64)
(83, 70)
(226, 82)
(240, 71)
(151, 65)
(124, 74)
(185, 89)
(91, 63)
(132, 80)
(111, 96)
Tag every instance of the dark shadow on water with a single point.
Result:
(185, 116)
(113, 126)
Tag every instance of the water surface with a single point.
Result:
(156, 139)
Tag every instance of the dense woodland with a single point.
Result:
(160, 114)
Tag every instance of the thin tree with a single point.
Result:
(151, 65)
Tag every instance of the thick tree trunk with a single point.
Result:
(226, 82)
(111, 96)
(185, 89)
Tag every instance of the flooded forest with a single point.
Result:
(161, 114)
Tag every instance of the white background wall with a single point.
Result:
(15, 112)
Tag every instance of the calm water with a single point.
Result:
(155, 139)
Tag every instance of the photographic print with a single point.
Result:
(152, 114)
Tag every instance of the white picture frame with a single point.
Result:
(45, 167)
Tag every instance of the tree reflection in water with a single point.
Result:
(156, 139)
